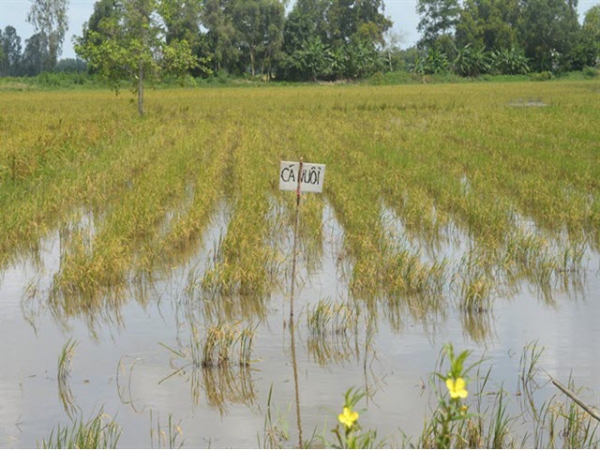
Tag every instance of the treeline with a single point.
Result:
(324, 39)
(33, 58)
(317, 39)
(473, 37)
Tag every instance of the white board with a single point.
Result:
(312, 177)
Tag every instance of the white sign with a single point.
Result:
(311, 178)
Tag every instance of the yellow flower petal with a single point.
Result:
(348, 417)
(457, 388)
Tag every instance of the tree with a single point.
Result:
(35, 55)
(315, 58)
(10, 48)
(356, 20)
(363, 59)
(131, 45)
(347, 30)
(274, 20)
(249, 25)
(103, 9)
(391, 49)
(591, 23)
(438, 20)
(307, 20)
(488, 24)
(471, 61)
(259, 27)
(221, 37)
(3, 58)
(548, 30)
(509, 61)
(71, 65)
(591, 33)
(49, 17)
(93, 34)
(182, 20)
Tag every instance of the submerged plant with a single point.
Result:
(64, 372)
(101, 431)
(220, 342)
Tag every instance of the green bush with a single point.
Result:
(509, 61)
(590, 72)
(541, 76)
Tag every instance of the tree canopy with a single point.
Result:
(130, 44)
(49, 19)
(507, 36)
(307, 40)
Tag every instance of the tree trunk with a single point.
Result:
(141, 89)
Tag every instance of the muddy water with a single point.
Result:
(121, 365)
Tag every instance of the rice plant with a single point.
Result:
(165, 436)
(100, 431)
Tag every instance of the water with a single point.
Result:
(121, 366)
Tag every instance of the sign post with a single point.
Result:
(299, 177)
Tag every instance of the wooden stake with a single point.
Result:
(298, 195)
(588, 409)
(296, 387)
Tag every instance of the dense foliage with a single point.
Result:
(321, 39)
(506, 36)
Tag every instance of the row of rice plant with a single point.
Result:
(519, 187)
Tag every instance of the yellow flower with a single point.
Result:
(457, 388)
(348, 417)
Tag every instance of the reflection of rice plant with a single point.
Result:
(64, 372)
(328, 318)
(224, 385)
(218, 347)
(475, 292)
(478, 325)
(101, 431)
(220, 364)
(330, 326)
(476, 284)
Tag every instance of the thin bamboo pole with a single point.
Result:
(295, 250)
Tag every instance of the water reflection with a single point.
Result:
(333, 332)
(225, 385)
(348, 329)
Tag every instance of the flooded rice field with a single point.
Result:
(132, 360)
(145, 265)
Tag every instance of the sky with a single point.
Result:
(402, 12)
